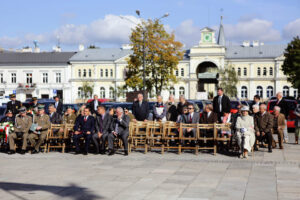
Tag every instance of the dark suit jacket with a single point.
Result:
(55, 119)
(195, 119)
(284, 108)
(92, 107)
(14, 107)
(83, 126)
(213, 118)
(226, 106)
(106, 123)
(59, 107)
(123, 127)
(140, 112)
(263, 123)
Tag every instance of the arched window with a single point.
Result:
(244, 92)
(239, 71)
(111, 93)
(271, 71)
(101, 72)
(106, 72)
(259, 91)
(90, 73)
(182, 71)
(172, 91)
(286, 91)
(258, 71)
(79, 73)
(181, 91)
(245, 71)
(265, 71)
(102, 93)
(80, 93)
(269, 91)
(84, 73)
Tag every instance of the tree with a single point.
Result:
(86, 90)
(291, 64)
(162, 54)
(228, 81)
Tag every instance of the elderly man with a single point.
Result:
(209, 116)
(159, 110)
(284, 109)
(140, 108)
(55, 117)
(191, 118)
(172, 113)
(9, 117)
(279, 125)
(263, 125)
(21, 128)
(39, 129)
(182, 103)
(69, 116)
(120, 127)
(221, 104)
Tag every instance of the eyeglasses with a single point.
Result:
(190, 108)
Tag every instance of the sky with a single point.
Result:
(99, 22)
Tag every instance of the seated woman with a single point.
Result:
(245, 132)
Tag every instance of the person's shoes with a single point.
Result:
(77, 152)
(22, 152)
(241, 156)
(270, 151)
(111, 152)
(281, 147)
(102, 152)
(246, 156)
(11, 152)
(85, 153)
(126, 153)
(34, 152)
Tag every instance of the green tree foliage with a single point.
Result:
(87, 90)
(291, 64)
(228, 81)
(162, 55)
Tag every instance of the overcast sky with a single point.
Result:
(98, 22)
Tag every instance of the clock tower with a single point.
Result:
(207, 36)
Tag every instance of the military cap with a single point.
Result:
(9, 111)
(41, 107)
(22, 109)
(12, 96)
(34, 98)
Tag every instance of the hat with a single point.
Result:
(22, 109)
(245, 108)
(34, 98)
(12, 96)
(55, 97)
(41, 107)
(9, 111)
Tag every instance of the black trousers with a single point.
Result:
(122, 135)
(267, 136)
(87, 138)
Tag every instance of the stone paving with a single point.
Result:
(152, 176)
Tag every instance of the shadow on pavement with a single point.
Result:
(72, 191)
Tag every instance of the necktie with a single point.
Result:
(85, 118)
(140, 104)
(56, 104)
(191, 118)
(220, 103)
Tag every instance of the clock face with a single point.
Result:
(207, 37)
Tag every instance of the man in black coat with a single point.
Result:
(140, 108)
(284, 109)
(9, 117)
(58, 105)
(14, 104)
(172, 113)
(55, 118)
(221, 104)
(102, 128)
(84, 127)
(93, 105)
(182, 103)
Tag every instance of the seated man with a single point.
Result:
(191, 117)
(159, 110)
(69, 116)
(208, 116)
(21, 128)
(263, 125)
(39, 128)
(120, 127)
(9, 117)
(84, 127)
(102, 128)
(55, 118)
(278, 125)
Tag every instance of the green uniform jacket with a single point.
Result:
(23, 124)
(44, 122)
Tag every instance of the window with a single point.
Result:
(182, 71)
(245, 71)
(265, 71)
(29, 78)
(111, 73)
(102, 93)
(111, 93)
(84, 73)
(101, 72)
(258, 71)
(45, 77)
(259, 91)
(1, 78)
(271, 71)
(176, 72)
(172, 91)
(13, 77)
(80, 93)
(106, 72)
(269, 91)
(58, 77)
(79, 73)
(239, 72)
(90, 73)
(124, 93)
(244, 92)
(181, 91)
(286, 91)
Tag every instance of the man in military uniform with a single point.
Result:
(40, 128)
(14, 105)
(21, 128)
(9, 117)
(69, 117)
(34, 103)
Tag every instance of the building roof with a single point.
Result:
(106, 54)
(29, 58)
(221, 37)
(260, 51)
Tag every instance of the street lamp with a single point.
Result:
(144, 52)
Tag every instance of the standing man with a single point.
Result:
(40, 128)
(159, 110)
(102, 128)
(279, 125)
(14, 105)
(182, 103)
(58, 105)
(221, 104)
(34, 102)
(284, 109)
(94, 104)
(172, 113)
(120, 128)
(256, 101)
(21, 128)
(140, 108)
(84, 127)
(263, 125)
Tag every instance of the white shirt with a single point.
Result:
(95, 104)
(208, 114)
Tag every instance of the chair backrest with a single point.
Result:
(138, 128)
(154, 127)
(183, 126)
(68, 128)
(170, 128)
(55, 127)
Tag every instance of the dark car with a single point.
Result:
(45, 102)
(235, 105)
(2, 111)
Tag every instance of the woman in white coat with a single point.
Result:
(245, 129)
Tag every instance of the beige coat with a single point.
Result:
(246, 122)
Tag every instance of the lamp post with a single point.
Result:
(144, 46)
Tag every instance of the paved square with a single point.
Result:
(152, 176)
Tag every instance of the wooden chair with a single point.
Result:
(202, 134)
(67, 130)
(138, 136)
(220, 128)
(171, 134)
(191, 139)
(154, 135)
(55, 140)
